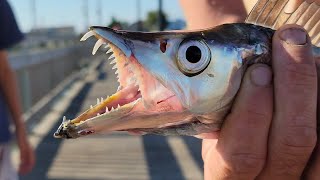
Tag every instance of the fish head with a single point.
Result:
(174, 82)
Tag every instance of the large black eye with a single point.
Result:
(193, 54)
(193, 57)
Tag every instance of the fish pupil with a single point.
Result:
(193, 54)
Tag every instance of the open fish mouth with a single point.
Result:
(141, 103)
(170, 83)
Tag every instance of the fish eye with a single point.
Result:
(193, 57)
(193, 54)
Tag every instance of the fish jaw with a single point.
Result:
(141, 102)
(161, 93)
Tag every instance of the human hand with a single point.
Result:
(27, 157)
(271, 130)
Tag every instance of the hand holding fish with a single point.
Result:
(253, 143)
(202, 81)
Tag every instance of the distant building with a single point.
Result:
(48, 37)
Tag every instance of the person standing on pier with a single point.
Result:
(9, 102)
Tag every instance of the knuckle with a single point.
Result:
(256, 111)
(246, 163)
(300, 138)
(288, 167)
(256, 116)
(294, 147)
(256, 120)
(300, 75)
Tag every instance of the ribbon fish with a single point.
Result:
(184, 82)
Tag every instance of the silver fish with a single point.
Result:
(178, 82)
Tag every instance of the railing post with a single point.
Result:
(25, 89)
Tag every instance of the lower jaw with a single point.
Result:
(140, 125)
(191, 128)
(118, 100)
(133, 114)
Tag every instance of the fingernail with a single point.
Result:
(261, 76)
(294, 36)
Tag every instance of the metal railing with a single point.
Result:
(38, 72)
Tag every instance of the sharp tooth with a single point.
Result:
(87, 35)
(113, 61)
(98, 114)
(64, 119)
(118, 106)
(112, 109)
(108, 97)
(101, 100)
(97, 45)
(112, 57)
(109, 51)
(135, 102)
(107, 110)
(119, 88)
(117, 72)
(115, 66)
(98, 101)
(91, 107)
(107, 46)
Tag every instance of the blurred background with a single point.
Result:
(57, 76)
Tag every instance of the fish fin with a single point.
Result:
(275, 13)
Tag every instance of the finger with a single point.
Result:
(241, 148)
(293, 131)
(312, 172)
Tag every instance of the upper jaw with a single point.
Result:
(107, 35)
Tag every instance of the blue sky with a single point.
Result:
(54, 13)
